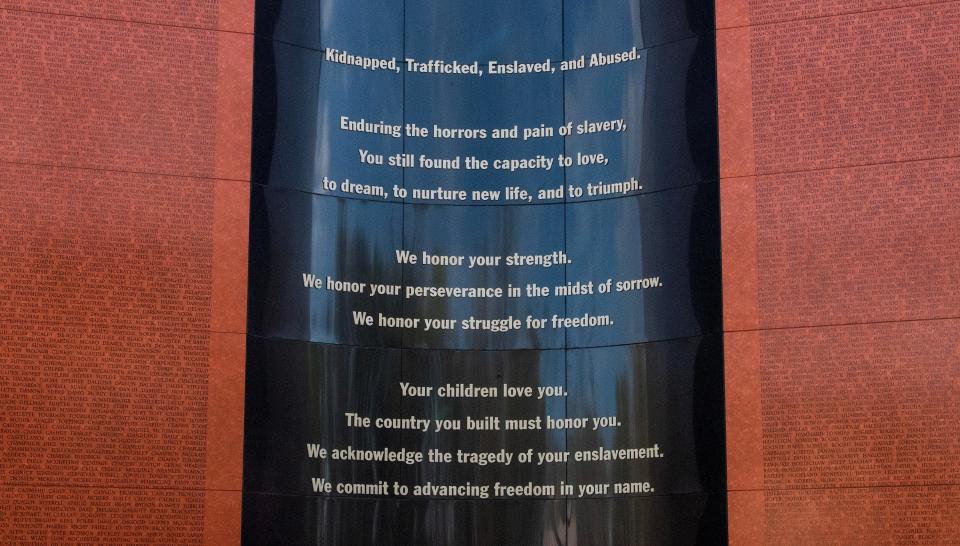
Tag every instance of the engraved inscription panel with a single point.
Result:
(104, 353)
(859, 245)
(104, 94)
(105, 248)
(767, 11)
(63, 515)
(189, 13)
(857, 89)
(102, 405)
(861, 405)
(900, 515)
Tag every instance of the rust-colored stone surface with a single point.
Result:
(875, 87)
(101, 405)
(58, 514)
(103, 94)
(123, 270)
(738, 220)
(234, 110)
(106, 248)
(224, 412)
(232, 15)
(860, 244)
(768, 11)
(735, 103)
(185, 13)
(861, 405)
(840, 212)
(744, 410)
(221, 518)
(236, 16)
(732, 13)
(877, 515)
(228, 15)
(231, 211)
(745, 523)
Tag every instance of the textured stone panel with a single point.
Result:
(859, 89)
(228, 298)
(741, 391)
(864, 405)
(190, 13)
(738, 218)
(66, 515)
(232, 15)
(224, 412)
(105, 248)
(104, 94)
(888, 515)
(859, 245)
(221, 517)
(732, 13)
(100, 405)
(735, 104)
(118, 405)
(745, 518)
(766, 11)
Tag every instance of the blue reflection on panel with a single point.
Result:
(634, 521)
(324, 521)
(666, 98)
(359, 96)
(661, 255)
(474, 29)
(465, 102)
(284, 122)
(668, 104)
(297, 394)
(299, 139)
(289, 21)
(517, 369)
(494, 232)
(680, 519)
(351, 241)
(657, 367)
(366, 27)
(667, 398)
(606, 25)
(658, 254)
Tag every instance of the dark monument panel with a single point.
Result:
(665, 99)
(484, 275)
(664, 283)
(621, 420)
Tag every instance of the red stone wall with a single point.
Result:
(124, 166)
(840, 197)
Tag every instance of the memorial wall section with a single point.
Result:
(840, 191)
(484, 274)
(125, 168)
(124, 146)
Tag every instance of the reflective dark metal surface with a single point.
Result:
(679, 519)
(668, 236)
(654, 369)
(660, 394)
(667, 99)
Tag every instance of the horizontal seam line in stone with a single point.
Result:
(828, 16)
(834, 487)
(842, 324)
(841, 167)
(129, 21)
(119, 171)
